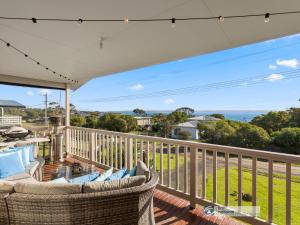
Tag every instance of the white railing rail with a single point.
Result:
(10, 121)
(115, 149)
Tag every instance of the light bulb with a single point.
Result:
(267, 17)
(126, 20)
(173, 22)
(221, 19)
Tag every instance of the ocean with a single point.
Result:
(243, 115)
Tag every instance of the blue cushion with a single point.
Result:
(105, 175)
(85, 178)
(13, 149)
(60, 180)
(25, 154)
(10, 164)
(132, 172)
(31, 156)
(117, 175)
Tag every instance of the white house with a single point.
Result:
(143, 120)
(191, 126)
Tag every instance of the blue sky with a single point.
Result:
(269, 59)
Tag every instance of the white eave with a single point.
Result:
(73, 49)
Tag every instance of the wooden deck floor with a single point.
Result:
(169, 209)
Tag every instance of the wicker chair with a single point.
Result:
(125, 206)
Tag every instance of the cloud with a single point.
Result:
(292, 63)
(244, 84)
(169, 101)
(29, 93)
(136, 87)
(44, 92)
(272, 67)
(274, 77)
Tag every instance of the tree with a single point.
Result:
(251, 136)
(295, 117)
(117, 122)
(218, 116)
(177, 117)
(289, 139)
(162, 124)
(220, 132)
(92, 121)
(139, 112)
(272, 121)
(77, 121)
(187, 110)
(130, 121)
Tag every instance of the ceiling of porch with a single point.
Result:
(73, 49)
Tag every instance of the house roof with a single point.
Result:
(190, 124)
(203, 118)
(11, 103)
(74, 50)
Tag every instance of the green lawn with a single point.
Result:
(165, 161)
(262, 193)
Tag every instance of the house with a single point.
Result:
(6, 121)
(143, 120)
(191, 126)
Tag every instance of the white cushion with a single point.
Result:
(100, 186)
(142, 169)
(39, 188)
(7, 186)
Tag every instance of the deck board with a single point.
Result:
(169, 209)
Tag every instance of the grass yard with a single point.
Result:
(262, 193)
(165, 161)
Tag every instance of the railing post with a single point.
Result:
(67, 139)
(129, 153)
(92, 147)
(193, 176)
(59, 146)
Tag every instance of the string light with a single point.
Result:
(126, 20)
(35, 61)
(267, 17)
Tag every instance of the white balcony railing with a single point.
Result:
(187, 165)
(6, 121)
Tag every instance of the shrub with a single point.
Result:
(289, 139)
(77, 121)
(251, 136)
(184, 135)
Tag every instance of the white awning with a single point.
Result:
(74, 49)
